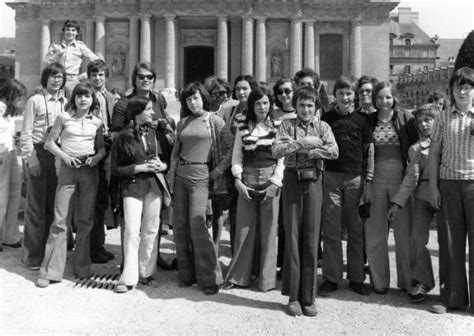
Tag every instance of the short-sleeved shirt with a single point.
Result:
(351, 131)
(452, 129)
(77, 135)
(69, 55)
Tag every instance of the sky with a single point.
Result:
(446, 18)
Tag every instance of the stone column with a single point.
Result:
(356, 48)
(295, 46)
(45, 39)
(222, 47)
(309, 44)
(100, 36)
(145, 38)
(261, 51)
(133, 55)
(247, 45)
(170, 56)
(89, 38)
(316, 53)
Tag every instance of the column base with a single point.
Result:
(169, 94)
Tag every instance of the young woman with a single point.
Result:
(10, 180)
(233, 115)
(202, 153)
(258, 179)
(138, 159)
(394, 131)
(82, 147)
(283, 92)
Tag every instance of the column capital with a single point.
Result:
(133, 18)
(309, 21)
(99, 18)
(169, 17)
(247, 17)
(45, 21)
(222, 17)
(295, 18)
(356, 22)
(144, 16)
(260, 18)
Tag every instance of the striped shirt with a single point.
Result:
(452, 129)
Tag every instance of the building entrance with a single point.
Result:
(198, 63)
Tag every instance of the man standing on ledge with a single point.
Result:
(70, 53)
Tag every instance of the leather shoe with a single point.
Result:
(150, 281)
(42, 283)
(359, 287)
(438, 309)
(381, 291)
(14, 245)
(108, 254)
(294, 308)
(120, 288)
(310, 310)
(326, 288)
(183, 284)
(228, 285)
(211, 290)
(99, 258)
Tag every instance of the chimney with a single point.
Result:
(406, 16)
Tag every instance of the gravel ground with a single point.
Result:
(69, 309)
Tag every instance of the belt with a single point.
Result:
(184, 162)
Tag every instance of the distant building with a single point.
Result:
(189, 40)
(7, 58)
(411, 49)
(447, 52)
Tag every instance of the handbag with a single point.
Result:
(308, 174)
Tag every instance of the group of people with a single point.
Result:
(294, 171)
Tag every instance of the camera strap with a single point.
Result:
(47, 110)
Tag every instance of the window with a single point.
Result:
(391, 69)
(407, 69)
(425, 68)
(408, 42)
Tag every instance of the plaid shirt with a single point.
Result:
(452, 129)
(287, 144)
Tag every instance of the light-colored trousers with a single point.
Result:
(10, 190)
(387, 180)
(140, 240)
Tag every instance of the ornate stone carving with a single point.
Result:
(198, 37)
(276, 65)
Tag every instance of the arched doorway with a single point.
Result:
(198, 63)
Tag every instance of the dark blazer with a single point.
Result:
(406, 129)
(132, 183)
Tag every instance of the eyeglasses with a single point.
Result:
(361, 91)
(222, 93)
(142, 77)
(284, 91)
(463, 88)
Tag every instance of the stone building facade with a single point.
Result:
(191, 39)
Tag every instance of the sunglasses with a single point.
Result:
(142, 77)
(222, 93)
(285, 91)
(365, 91)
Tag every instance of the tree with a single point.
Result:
(466, 53)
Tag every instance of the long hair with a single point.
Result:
(125, 149)
(83, 89)
(9, 92)
(249, 79)
(254, 96)
(460, 77)
(277, 85)
(188, 91)
(383, 85)
(142, 65)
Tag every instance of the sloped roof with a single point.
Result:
(448, 48)
(411, 30)
(7, 43)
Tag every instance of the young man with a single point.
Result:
(304, 142)
(451, 186)
(308, 77)
(97, 73)
(343, 184)
(40, 113)
(416, 180)
(70, 53)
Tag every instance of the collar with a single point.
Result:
(352, 110)
(50, 97)
(65, 44)
(425, 143)
(88, 115)
(455, 110)
(311, 122)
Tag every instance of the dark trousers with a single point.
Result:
(101, 205)
(457, 221)
(39, 209)
(195, 249)
(302, 218)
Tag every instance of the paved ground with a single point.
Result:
(67, 308)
